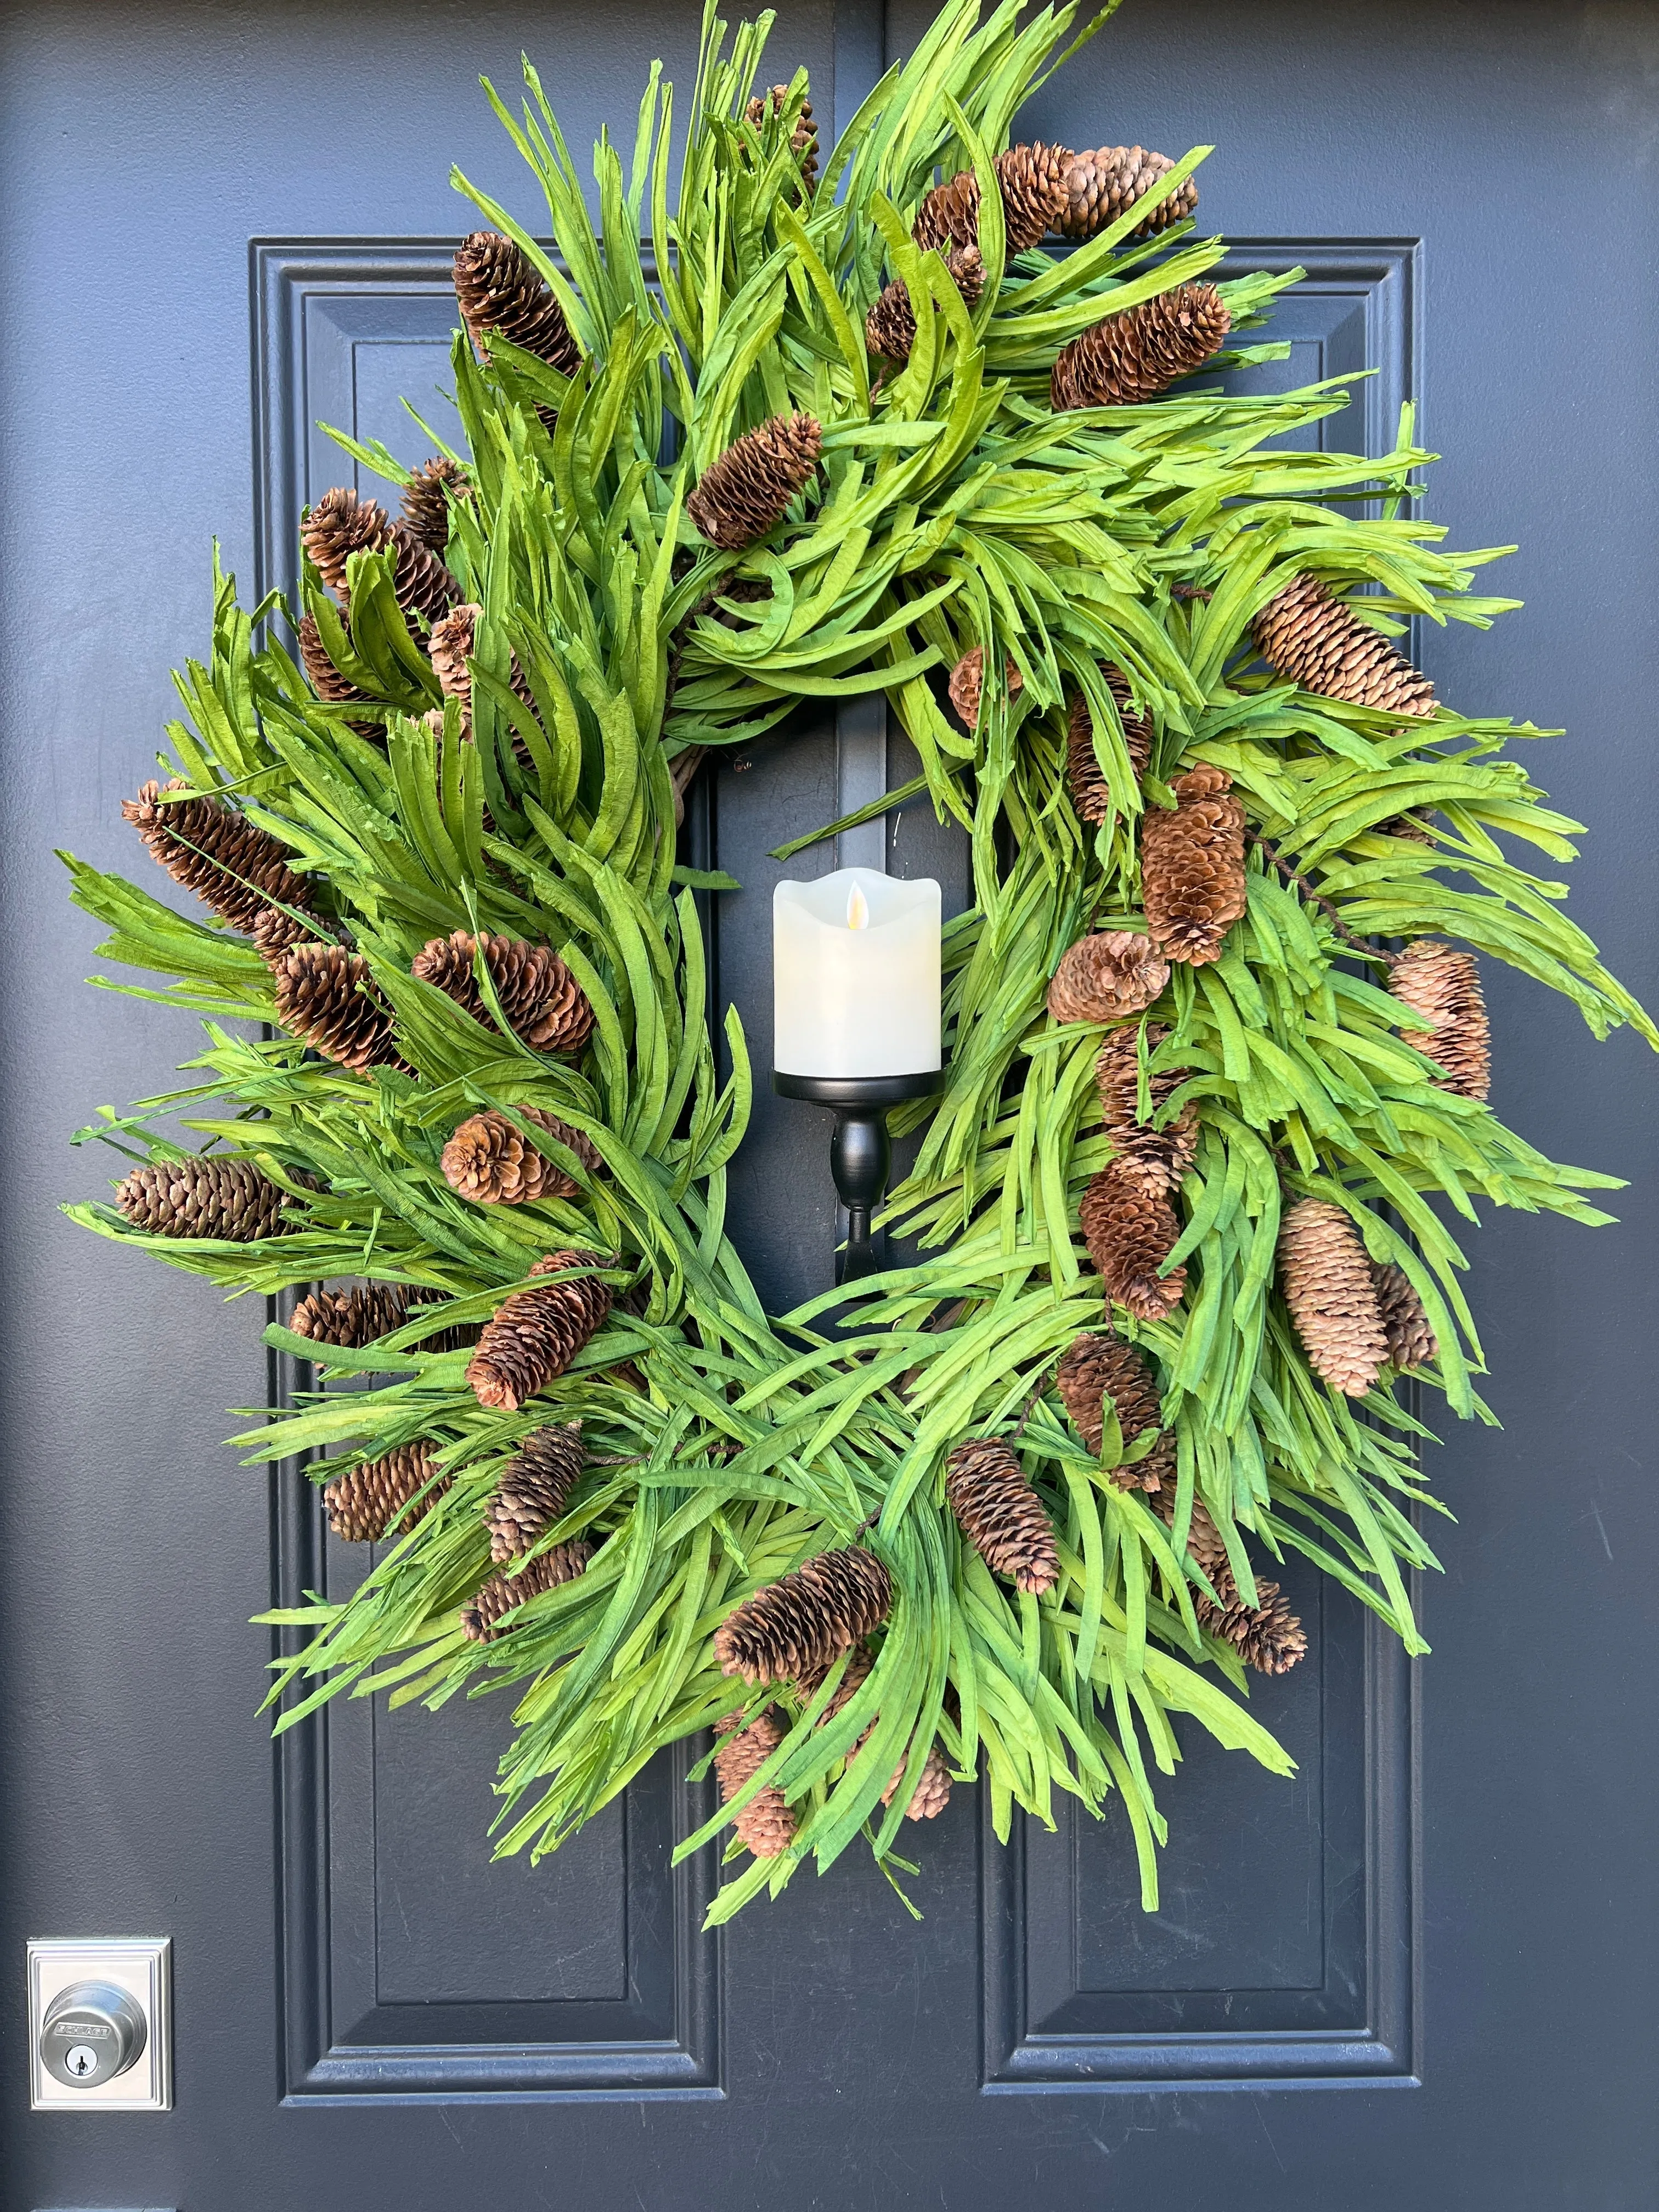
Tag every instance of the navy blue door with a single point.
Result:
(1418, 1974)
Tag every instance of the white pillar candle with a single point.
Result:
(855, 976)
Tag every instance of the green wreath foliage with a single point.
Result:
(955, 509)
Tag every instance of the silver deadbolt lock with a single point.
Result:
(93, 2031)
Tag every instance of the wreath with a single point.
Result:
(1217, 1063)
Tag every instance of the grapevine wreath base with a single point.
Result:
(940, 418)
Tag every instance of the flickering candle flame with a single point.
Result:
(856, 973)
(858, 909)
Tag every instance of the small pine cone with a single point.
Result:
(352, 1318)
(1162, 1155)
(1136, 354)
(533, 1335)
(449, 647)
(1322, 644)
(231, 864)
(1329, 1289)
(1001, 1515)
(1443, 985)
(1192, 867)
(802, 138)
(967, 685)
(1410, 825)
(1032, 180)
(502, 293)
(424, 588)
(324, 997)
(273, 932)
(740, 496)
(1104, 976)
(426, 498)
(534, 1489)
(487, 1614)
(799, 1626)
(1091, 795)
(326, 679)
(1411, 1340)
(545, 1004)
(362, 1503)
(933, 1791)
(766, 1824)
(342, 522)
(490, 1162)
(204, 1196)
(1101, 184)
(1098, 1367)
(890, 328)
(1267, 1636)
(949, 215)
(1131, 1229)
(1205, 1543)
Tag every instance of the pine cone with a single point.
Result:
(1267, 1636)
(933, 1791)
(1107, 1366)
(534, 1489)
(1136, 354)
(1410, 1341)
(362, 1503)
(1192, 867)
(487, 1613)
(1164, 1155)
(1105, 976)
(1328, 1287)
(766, 1824)
(352, 1318)
(802, 138)
(545, 1004)
(450, 648)
(740, 496)
(326, 679)
(427, 497)
(1090, 794)
(232, 866)
(798, 1625)
(1322, 644)
(890, 328)
(1131, 1229)
(205, 1195)
(967, 684)
(273, 932)
(423, 587)
(533, 1335)
(490, 1162)
(1032, 180)
(1001, 1515)
(502, 293)
(342, 522)
(325, 998)
(1443, 984)
(1100, 185)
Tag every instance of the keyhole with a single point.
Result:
(83, 2062)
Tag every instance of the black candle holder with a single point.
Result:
(860, 1152)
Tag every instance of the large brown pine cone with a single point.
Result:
(427, 497)
(740, 496)
(1032, 180)
(501, 292)
(543, 1004)
(803, 137)
(799, 1624)
(1332, 1295)
(1090, 794)
(489, 1613)
(766, 1824)
(209, 1195)
(1106, 975)
(967, 684)
(1001, 1515)
(352, 1318)
(326, 997)
(1411, 1340)
(342, 522)
(1193, 881)
(274, 930)
(362, 1503)
(890, 328)
(232, 866)
(1101, 184)
(1131, 1229)
(1267, 1636)
(1163, 1154)
(1443, 984)
(534, 1489)
(1322, 644)
(1106, 1365)
(491, 1161)
(533, 1335)
(1140, 351)
(326, 679)
(424, 588)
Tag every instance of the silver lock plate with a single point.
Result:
(99, 2035)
